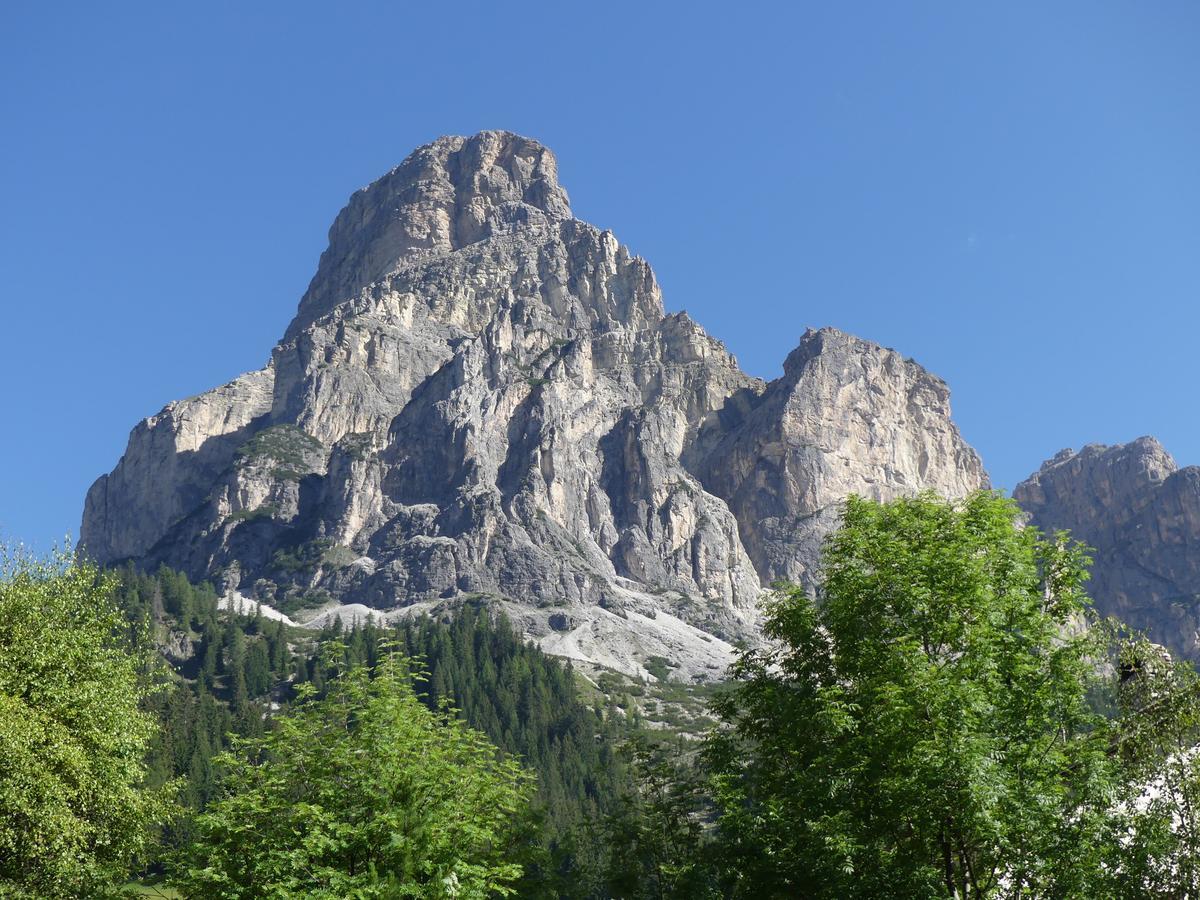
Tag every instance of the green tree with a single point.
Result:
(1156, 847)
(654, 836)
(924, 730)
(364, 792)
(73, 813)
(257, 669)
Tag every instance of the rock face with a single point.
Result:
(846, 417)
(1141, 514)
(482, 397)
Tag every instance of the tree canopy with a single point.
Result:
(72, 735)
(922, 729)
(363, 792)
(1157, 814)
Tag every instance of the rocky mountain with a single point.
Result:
(1140, 513)
(482, 397)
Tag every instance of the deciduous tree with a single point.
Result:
(73, 810)
(923, 729)
(364, 792)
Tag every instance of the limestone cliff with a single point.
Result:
(846, 417)
(481, 396)
(1140, 513)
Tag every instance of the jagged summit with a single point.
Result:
(445, 196)
(1144, 452)
(1140, 512)
(482, 400)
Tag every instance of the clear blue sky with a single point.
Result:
(1008, 192)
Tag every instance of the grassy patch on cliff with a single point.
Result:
(294, 452)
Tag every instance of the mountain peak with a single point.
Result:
(446, 195)
(481, 397)
(1142, 458)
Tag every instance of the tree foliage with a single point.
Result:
(1156, 847)
(527, 703)
(364, 792)
(73, 811)
(654, 837)
(924, 730)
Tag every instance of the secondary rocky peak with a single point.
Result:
(481, 400)
(445, 196)
(1122, 479)
(847, 416)
(1143, 457)
(812, 343)
(1140, 513)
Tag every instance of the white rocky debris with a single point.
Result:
(242, 605)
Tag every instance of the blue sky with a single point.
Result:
(1007, 192)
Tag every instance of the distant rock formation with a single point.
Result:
(481, 397)
(1141, 514)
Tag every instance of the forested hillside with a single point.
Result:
(229, 675)
(936, 724)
